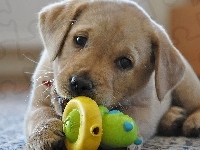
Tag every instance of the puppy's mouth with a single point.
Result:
(62, 101)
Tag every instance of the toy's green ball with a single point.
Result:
(119, 130)
(71, 125)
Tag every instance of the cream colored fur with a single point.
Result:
(115, 29)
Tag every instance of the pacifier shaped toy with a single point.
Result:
(87, 126)
(82, 124)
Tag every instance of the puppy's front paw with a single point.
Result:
(191, 126)
(47, 135)
(172, 122)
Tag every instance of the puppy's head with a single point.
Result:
(107, 50)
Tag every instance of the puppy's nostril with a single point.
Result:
(81, 85)
(74, 83)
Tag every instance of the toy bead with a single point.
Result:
(87, 134)
(138, 141)
(128, 126)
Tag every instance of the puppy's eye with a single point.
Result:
(124, 63)
(80, 41)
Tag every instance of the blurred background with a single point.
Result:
(20, 44)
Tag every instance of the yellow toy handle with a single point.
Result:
(90, 130)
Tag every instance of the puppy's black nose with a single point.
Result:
(81, 86)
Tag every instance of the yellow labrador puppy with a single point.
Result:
(111, 51)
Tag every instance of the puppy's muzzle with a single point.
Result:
(81, 86)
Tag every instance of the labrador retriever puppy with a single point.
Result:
(114, 53)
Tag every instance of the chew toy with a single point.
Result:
(82, 124)
(87, 125)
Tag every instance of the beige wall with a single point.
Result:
(19, 35)
(18, 18)
(159, 9)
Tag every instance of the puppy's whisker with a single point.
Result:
(38, 86)
(42, 95)
(46, 97)
(28, 73)
(121, 106)
(103, 103)
(33, 72)
(113, 98)
(43, 75)
(35, 61)
(48, 73)
(45, 71)
(52, 102)
(39, 78)
(45, 90)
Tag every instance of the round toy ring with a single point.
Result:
(90, 130)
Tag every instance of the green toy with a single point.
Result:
(71, 125)
(119, 130)
(111, 129)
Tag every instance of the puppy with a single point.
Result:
(114, 53)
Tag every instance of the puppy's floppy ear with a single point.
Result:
(55, 22)
(169, 65)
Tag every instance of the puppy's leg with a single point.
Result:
(47, 133)
(43, 126)
(191, 126)
(187, 94)
(172, 122)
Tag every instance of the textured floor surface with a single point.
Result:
(13, 106)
